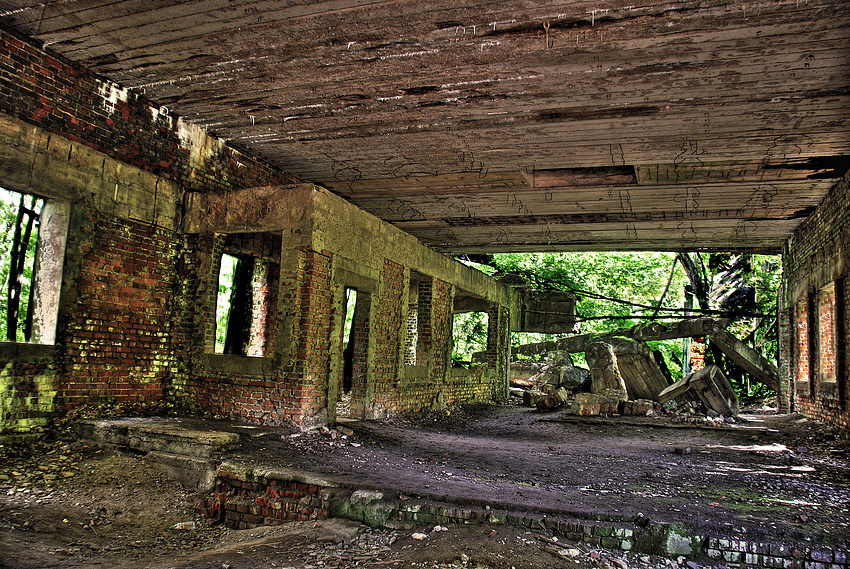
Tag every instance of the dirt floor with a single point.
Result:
(64, 504)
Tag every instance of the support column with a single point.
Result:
(499, 347)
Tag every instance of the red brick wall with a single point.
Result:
(245, 500)
(64, 98)
(802, 340)
(826, 336)
(817, 259)
(390, 330)
(117, 345)
(305, 383)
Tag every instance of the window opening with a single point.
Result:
(352, 394)
(348, 341)
(411, 344)
(21, 216)
(826, 334)
(802, 311)
(234, 305)
(469, 336)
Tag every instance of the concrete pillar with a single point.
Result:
(52, 236)
(499, 345)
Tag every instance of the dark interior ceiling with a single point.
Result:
(485, 126)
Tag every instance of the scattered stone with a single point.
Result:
(585, 404)
(557, 399)
(682, 450)
(419, 536)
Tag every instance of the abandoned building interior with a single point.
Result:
(335, 155)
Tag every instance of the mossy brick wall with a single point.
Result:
(117, 345)
(117, 339)
(305, 382)
(28, 393)
(389, 329)
(816, 258)
(65, 98)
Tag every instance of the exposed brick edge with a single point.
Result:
(245, 498)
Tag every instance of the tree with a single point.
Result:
(619, 290)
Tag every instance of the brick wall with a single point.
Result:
(815, 290)
(305, 380)
(128, 328)
(390, 331)
(27, 395)
(826, 336)
(245, 499)
(802, 340)
(117, 344)
(64, 98)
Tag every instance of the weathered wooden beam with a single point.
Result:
(746, 357)
(690, 328)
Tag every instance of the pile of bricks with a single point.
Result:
(245, 499)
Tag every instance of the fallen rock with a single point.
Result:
(531, 396)
(557, 399)
(585, 404)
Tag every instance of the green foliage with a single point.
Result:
(469, 335)
(350, 304)
(621, 290)
(222, 307)
(9, 203)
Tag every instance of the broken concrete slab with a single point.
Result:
(605, 372)
(641, 374)
(739, 352)
(711, 386)
(151, 434)
(557, 398)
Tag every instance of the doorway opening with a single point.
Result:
(355, 340)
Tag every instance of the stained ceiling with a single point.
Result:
(523, 125)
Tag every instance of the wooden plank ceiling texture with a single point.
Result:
(523, 125)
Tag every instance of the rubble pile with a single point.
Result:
(624, 378)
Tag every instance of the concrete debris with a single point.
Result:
(558, 398)
(712, 388)
(585, 404)
(604, 371)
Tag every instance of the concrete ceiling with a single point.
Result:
(522, 125)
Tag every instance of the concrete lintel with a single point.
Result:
(355, 234)
(33, 160)
(265, 208)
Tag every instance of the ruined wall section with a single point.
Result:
(117, 347)
(123, 167)
(361, 242)
(62, 97)
(815, 312)
(389, 337)
(28, 390)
